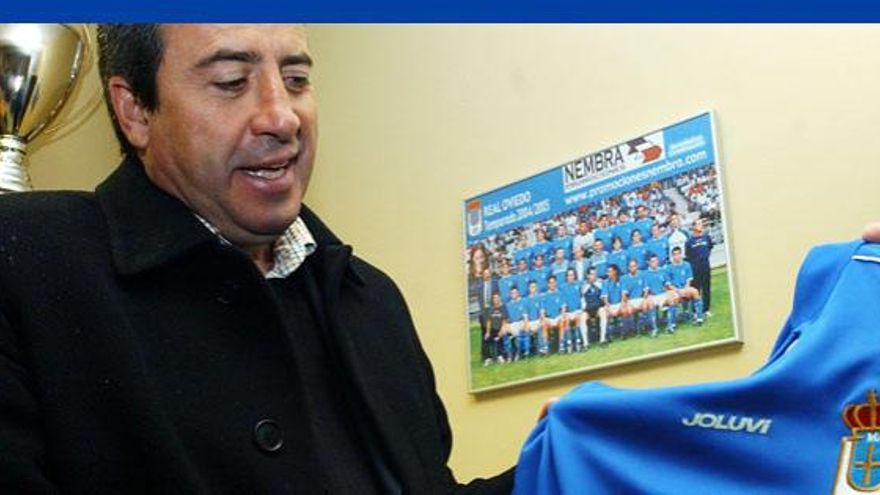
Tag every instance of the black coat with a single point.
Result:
(137, 353)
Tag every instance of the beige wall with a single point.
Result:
(417, 118)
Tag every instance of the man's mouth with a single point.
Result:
(268, 171)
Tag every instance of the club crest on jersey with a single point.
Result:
(858, 469)
(474, 218)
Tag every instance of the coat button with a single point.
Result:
(268, 436)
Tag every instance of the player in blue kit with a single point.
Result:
(643, 222)
(551, 317)
(658, 296)
(599, 259)
(638, 250)
(560, 264)
(542, 245)
(612, 295)
(532, 306)
(506, 279)
(624, 228)
(658, 244)
(634, 305)
(561, 241)
(680, 276)
(592, 298)
(539, 272)
(522, 252)
(603, 232)
(518, 323)
(617, 256)
(574, 331)
(522, 276)
(697, 250)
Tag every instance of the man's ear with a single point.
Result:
(130, 112)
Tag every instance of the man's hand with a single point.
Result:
(545, 407)
(872, 232)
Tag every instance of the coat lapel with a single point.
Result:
(333, 270)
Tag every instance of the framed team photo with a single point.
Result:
(616, 256)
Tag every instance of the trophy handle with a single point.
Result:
(78, 116)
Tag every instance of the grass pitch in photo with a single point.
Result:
(718, 327)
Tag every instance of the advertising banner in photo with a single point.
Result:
(614, 256)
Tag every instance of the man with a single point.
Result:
(658, 244)
(677, 236)
(560, 264)
(540, 272)
(485, 288)
(506, 279)
(191, 327)
(638, 250)
(552, 318)
(599, 259)
(698, 249)
(574, 330)
(624, 228)
(496, 330)
(579, 263)
(658, 296)
(584, 236)
(533, 305)
(612, 296)
(635, 306)
(679, 278)
(518, 326)
(643, 221)
(592, 297)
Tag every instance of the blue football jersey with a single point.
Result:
(806, 422)
(638, 253)
(618, 258)
(532, 306)
(624, 231)
(551, 303)
(679, 274)
(504, 285)
(600, 262)
(539, 275)
(660, 247)
(644, 226)
(655, 280)
(612, 291)
(516, 309)
(633, 285)
(523, 254)
(605, 235)
(571, 295)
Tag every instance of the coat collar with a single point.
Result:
(149, 227)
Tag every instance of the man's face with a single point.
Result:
(235, 132)
(676, 257)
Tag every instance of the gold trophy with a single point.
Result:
(39, 64)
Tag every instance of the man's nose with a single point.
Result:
(276, 114)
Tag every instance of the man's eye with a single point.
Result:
(297, 82)
(233, 85)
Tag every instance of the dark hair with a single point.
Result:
(132, 52)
